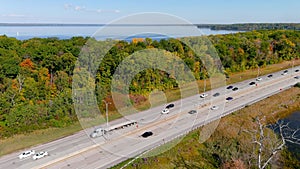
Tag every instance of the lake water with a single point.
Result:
(115, 32)
(294, 123)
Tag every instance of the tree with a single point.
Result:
(9, 60)
(27, 67)
(67, 62)
(268, 145)
(61, 80)
(52, 62)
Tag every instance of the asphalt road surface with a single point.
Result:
(81, 151)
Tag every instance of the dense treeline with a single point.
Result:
(248, 50)
(252, 26)
(35, 83)
(36, 75)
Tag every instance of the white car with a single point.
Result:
(165, 111)
(214, 108)
(259, 79)
(40, 155)
(26, 154)
(203, 95)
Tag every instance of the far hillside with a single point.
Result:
(252, 26)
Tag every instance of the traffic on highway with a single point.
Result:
(133, 134)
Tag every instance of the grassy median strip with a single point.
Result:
(22, 141)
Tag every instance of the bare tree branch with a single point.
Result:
(266, 144)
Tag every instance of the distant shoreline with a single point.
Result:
(67, 32)
(227, 27)
(63, 24)
(24, 31)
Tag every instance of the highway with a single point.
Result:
(81, 151)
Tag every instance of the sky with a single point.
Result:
(105, 11)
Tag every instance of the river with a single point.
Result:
(66, 32)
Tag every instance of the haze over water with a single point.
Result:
(65, 32)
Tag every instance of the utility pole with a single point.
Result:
(292, 67)
(106, 111)
(204, 78)
(258, 71)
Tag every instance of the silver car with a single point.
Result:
(40, 155)
(26, 154)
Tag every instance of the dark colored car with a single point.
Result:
(229, 98)
(147, 134)
(252, 83)
(297, 77)
(229, 87)
(192, 112)
(269, 76)
(170, 106)
(297, 70)
(216, 94)
(285, 71)
(236, 88)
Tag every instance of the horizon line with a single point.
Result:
(133, 24)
